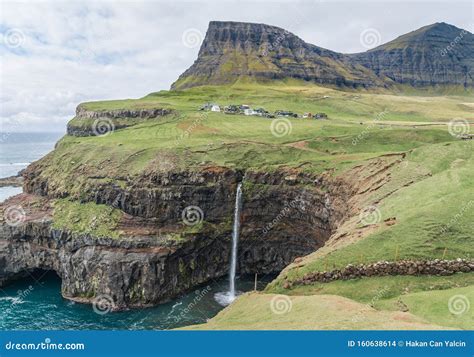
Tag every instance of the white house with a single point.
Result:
(249, 111)
(215, 108)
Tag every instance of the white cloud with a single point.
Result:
(77, 51)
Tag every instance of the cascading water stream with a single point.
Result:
(235, 241)
(227, 297)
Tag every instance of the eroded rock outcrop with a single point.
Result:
(285, 214)
(270, 53)
(84, 113)
(99, 122)
(135, 272)
(437, 54)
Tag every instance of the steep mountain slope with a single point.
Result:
(438, 54)
(434, 54)
(232, 50)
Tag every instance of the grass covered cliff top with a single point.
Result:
(302, 96)
(361, 125)
(427, 197)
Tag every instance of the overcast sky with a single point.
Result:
(56, 54)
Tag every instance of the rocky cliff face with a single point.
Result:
(234, 49)
(285, 214)
(137, 272)
(438, 54)
(91, 122)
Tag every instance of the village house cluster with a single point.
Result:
(243, 109)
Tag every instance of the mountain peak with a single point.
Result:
(234, 50)
(438, 34)
(440, 26)
(243, 36)
(436, 54)
(439, 53)
(236, 24)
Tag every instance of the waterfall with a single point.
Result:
(235, 241)
(225, 298)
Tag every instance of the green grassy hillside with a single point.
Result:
(360, 126)
(433, 212)
(322, 312)
(428, 196)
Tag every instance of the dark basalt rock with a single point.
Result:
(14, 181)
(268, 52)
(90, 122)
(438, 54)
(134, 272)
(281, 219)
(83, 113)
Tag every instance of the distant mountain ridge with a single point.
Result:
(438, 54)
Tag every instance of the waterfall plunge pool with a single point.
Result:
(36, 304)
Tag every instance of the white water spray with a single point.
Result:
(227, 297)
(235, 241)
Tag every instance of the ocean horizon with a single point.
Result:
(18, 150)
